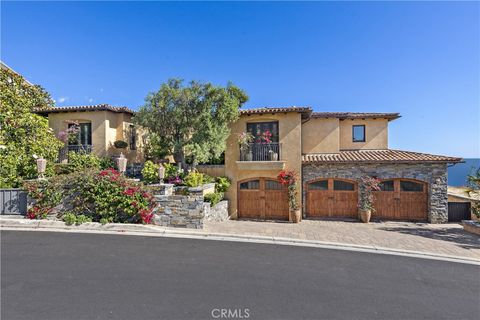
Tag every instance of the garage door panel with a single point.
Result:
(401, 199)
(318, 203)
(345, 204)
(332, 198)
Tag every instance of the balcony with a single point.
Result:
(80, 148)
(261, 156)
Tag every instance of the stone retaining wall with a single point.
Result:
(434, 174)
(219, 212)
(180, 211)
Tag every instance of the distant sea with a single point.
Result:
(457, 174)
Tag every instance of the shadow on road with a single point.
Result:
(458, 236)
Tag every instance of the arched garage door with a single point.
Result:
(262, 198)
(401, 199)
(332, 198)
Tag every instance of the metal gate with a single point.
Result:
(458, 211)
(13, 201)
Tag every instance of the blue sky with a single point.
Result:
(419, 59)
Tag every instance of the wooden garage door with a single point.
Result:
(401, 199)
(332, 198)
(262, 198)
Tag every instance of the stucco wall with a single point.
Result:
(107, 127)
(434, 174)
(376, 134)
(321, 136)
(290, 136)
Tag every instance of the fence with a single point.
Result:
(212, 170)
(13, 201)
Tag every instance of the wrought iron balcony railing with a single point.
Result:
(260, 152)
(80, 148)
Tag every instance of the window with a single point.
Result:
(273, 185)
(386, 185)
(250, 185)
(411, 186)
(257, 129)
(133, 138)
(318, 185)
(340, 185)
(84, 134)
(358, 133)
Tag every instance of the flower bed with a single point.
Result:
(91, 195)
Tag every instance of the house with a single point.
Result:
(461, 203)
(330, 151)
(99, 126)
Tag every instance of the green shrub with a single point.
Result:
(104, 221)
(82, 219)
(170, 170)
(106, 163)
(47, 195)
(213, 198)
(120, 144)
(69, 218)
(150, 172)
(222, 184)
(193, 179)
(80, 161)
(207, 179)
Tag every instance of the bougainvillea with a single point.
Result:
(289, 179)
(367, 186)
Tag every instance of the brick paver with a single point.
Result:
(449, 239)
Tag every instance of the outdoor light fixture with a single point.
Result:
(122, 163)
(41, 167)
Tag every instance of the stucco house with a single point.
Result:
(99, 126)
(330, 151)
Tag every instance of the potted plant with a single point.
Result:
(120, 144)
(288, 179)
(244, 140)
(365, 202)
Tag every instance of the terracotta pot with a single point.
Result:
(365, 215)
(295, 216)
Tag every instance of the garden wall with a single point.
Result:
(212, 170)
(13, 201)
(187, 211)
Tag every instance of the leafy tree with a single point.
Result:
(23, 133)
(474, 190)
(190, 120)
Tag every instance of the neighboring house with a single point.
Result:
(330, 151)
(99, 126)
(460, 204)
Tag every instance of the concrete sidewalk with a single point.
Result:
(444, 242)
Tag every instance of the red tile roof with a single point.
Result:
(356, 115)
(305, 111)
(376, 156)
(98, 107)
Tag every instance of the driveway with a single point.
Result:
(449, 239)
(52, 276)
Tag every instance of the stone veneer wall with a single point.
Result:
(187, 211)
(433, 173)
(180, 211)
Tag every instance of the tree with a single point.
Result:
(190, 120)
(23, 134)
(474, 190)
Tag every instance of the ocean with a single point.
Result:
(457, 174)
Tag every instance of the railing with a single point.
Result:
(260, 152)
(80, 148)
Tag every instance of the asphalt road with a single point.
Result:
(90, 276)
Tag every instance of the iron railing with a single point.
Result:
(260, 152)
(77, 148)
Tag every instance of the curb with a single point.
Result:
(157, 231)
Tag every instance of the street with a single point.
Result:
(48, 275)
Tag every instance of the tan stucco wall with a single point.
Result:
(290, 136)
(376, 134)
(107, 127)
(321, 136)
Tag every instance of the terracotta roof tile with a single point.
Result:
(306, 111)
(376, 156)
(356, 115)
(98, 107)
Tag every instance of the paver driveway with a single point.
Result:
(449, 239)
